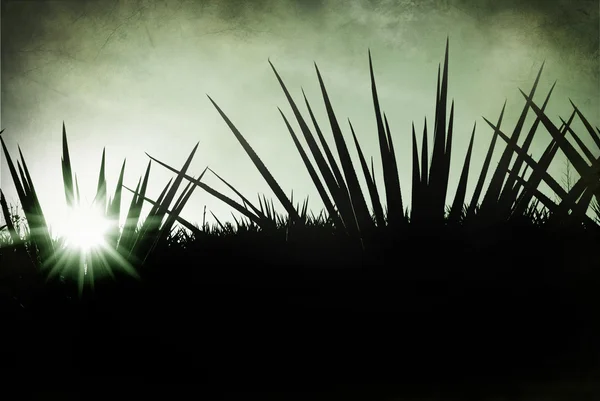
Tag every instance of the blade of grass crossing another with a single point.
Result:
(259, 165)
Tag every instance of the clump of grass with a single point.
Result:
(512, 194)
(125, 248)
(506, 250)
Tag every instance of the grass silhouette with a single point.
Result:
(472, 298)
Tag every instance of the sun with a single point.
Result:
(84, 228)
(86, 246)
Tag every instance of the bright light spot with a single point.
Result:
(85, 247)
(84, 228)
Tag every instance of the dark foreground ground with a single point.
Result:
(444, 320)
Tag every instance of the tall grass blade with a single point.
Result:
(424, 161)
(375, 201)
(100, 198)
(486, 163)
(416, 194)
(540, 172)
(313, 173)
(131, 222)
(151, 224)
(244, 199)
(341, 183)
(341, 196)
(509, 193)
(459, 198)
(582, 146)
(448, 153)
(66, 169)
(575, 158)
(77, 194)
(259, 165)
(173, 216)
(439, 160)
(41, 225)
(422, 208)
(588, 182)
(359, 206)
(540, 196)
(15, 178)
(495, 186)
(136, 210)
(160, 213)
(115, 205)
(595, 136)
(583, 204)
(392, 192)
(221, 226)
(14, 236)
(240, 208)
(31, 208)
(128, 236)
(326, 173)
(394, 174)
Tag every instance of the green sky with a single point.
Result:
(132, 76)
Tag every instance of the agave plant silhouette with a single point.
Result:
(508, 196)
(41, 244)
(124, 248)
(513, 191)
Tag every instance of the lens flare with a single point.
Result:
(84, 228)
